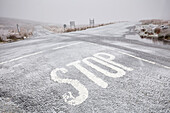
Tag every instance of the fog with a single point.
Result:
(63, 11)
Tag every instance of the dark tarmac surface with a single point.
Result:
(93, 71)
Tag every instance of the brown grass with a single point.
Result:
(167, 37)
(156, 22)
(57, 29)
(84, 28)
(12, 35)
(1, 39)
(157, 30)
(15, 37)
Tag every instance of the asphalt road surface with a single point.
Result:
(107, 69)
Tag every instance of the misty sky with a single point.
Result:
(63, 11)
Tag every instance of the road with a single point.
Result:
(101, 70)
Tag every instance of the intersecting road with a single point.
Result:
(101, 70)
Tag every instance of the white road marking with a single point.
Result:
(67, 45)
(82, 91)
(15, 59)
(163, 66)
(151, 62)
(119, 72)
(137, 57)
(142, 59)
(90, 75)
(110, 60)
(68, 97)
(25, 56)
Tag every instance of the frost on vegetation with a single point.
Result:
(10, 35)
(161, 32)
(3, 34)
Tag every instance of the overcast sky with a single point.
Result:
(63, 11)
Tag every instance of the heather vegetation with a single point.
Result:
(11, 35)
(155, 28)
(12, 30)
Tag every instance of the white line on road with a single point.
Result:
(67, 45)
(21, 57)
(15, 59)
(151, 62)
(137, 57)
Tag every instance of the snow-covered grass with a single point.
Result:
(156, 22)
(11, 35)
(159, 29)
(60, 29)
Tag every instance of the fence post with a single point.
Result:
(64, 27)
(18, 28)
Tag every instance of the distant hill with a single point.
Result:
(9, 22)
(156, 21)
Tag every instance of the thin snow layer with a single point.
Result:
(145, 40)
(115, 30)
(40, 31)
